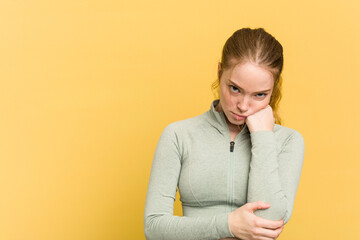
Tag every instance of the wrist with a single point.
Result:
(260, 127)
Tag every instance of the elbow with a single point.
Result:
(287, 216)
(276, 212)
(283, 210)
(150, 232)
(147, 229)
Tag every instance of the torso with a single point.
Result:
(207, 167)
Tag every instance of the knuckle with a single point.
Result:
(249, 206)
(255, 232)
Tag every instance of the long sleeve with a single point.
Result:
(159, 221)
(275, 173)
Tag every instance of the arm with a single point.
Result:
(159, 222)
(274, 176)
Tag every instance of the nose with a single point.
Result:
(243, 104)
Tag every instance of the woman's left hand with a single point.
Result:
(262, 120)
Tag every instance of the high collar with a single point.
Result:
(218, 119)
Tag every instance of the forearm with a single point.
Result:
(275, 173)
(169, 227)
(264, 181)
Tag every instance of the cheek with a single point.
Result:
(225, 96)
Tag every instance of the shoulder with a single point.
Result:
(182, 133)
(186, 125)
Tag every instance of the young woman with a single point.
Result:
(236, 167)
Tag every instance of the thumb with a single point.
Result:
(253, 206)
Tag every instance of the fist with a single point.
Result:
(262, 120)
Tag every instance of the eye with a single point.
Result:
(261, 95)
(233, 88)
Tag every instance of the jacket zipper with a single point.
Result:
(230, 188)
(232, 143)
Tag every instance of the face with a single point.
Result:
(244, 91)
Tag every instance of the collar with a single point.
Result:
(218, 119)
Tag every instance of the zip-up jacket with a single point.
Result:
(215, 176)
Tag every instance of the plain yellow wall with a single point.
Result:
(86, 88)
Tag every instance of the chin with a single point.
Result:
(240, 122)
(234, 121)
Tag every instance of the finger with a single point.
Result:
(267, 233)
(264, 238)
(269, 224)
(279, 230)
(253, 206)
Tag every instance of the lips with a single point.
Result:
(238, 117)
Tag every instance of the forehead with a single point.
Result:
(251, 77)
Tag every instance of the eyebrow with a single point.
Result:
(267, 90)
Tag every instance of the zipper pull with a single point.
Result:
(232, 143)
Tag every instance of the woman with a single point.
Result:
(236, 170)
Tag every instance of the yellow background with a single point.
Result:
(86, 88)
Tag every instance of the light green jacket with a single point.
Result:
(214, 178)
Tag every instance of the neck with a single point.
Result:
(232, 128)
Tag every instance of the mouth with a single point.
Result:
(238, 117)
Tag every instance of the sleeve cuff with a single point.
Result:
(223, 226)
